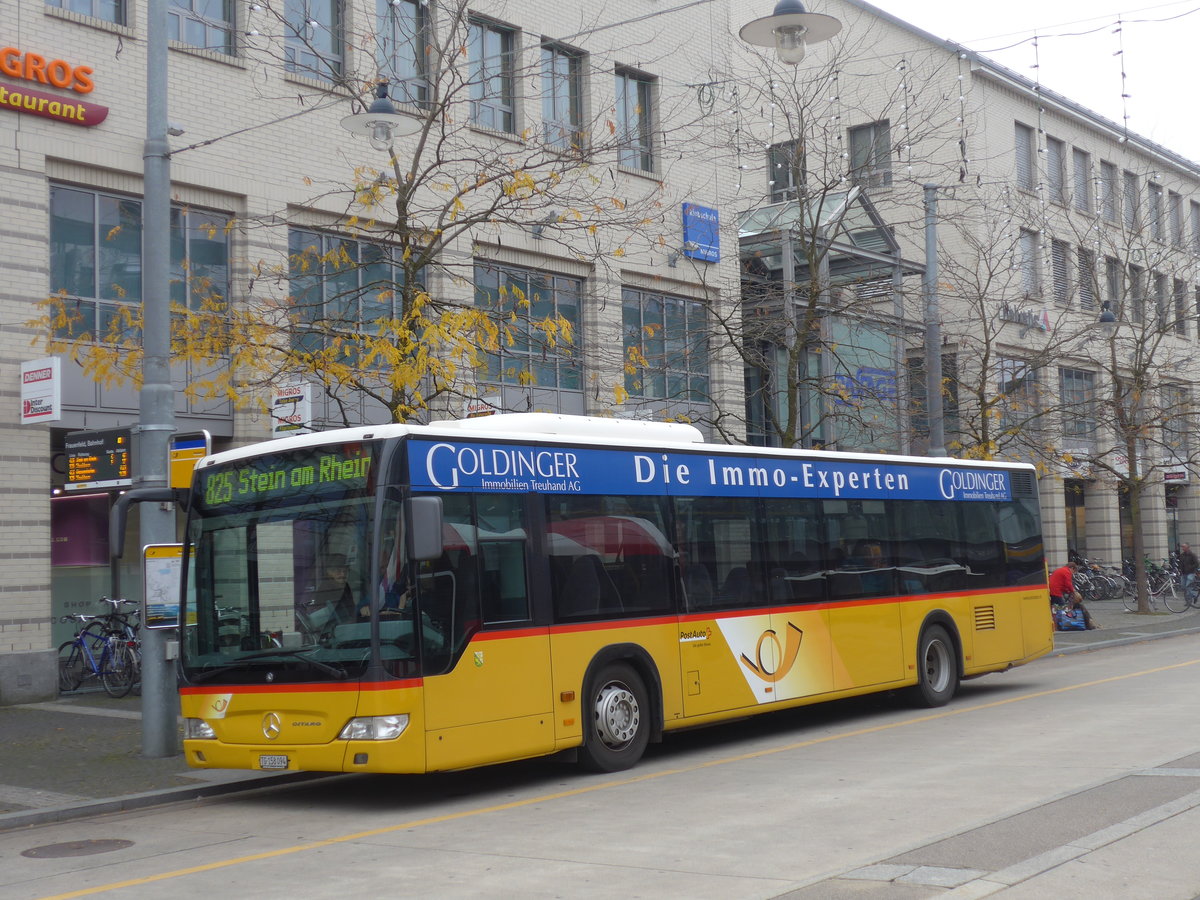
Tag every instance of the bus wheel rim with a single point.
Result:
(617, 715)
(937, 672)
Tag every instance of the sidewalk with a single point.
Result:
(80, 755)
(1118, 626)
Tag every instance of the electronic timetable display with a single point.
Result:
(98, 459)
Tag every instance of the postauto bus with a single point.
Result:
(422, 598)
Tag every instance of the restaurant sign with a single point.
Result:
(56, 73)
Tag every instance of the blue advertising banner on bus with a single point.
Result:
(471, 466)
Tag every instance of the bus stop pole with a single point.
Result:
(160, 695)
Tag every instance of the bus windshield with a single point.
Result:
(281, 568)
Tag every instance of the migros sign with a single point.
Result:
(58, 73)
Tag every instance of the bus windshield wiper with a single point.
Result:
(335, 671)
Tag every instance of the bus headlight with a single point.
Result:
(198, 730)
(374, 728)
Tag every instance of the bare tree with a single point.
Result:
(826, 318)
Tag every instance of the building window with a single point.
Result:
(1060, 263)
(1114, 285)
(96, 258)
(1056, 172)
(666, 347)
(1078, 390)
(107, 10)
(1130, 207)
(1081, 164)
(1154, 213)
(522, 300)
(1175, 212)
(1086, 270)
(400, 48)
(199, 258)
(562, 97)
(1161, 309)
(1136, 286)
(1017, 388)
(1027, 263)
(871, 155)
(313, 38)
(202, 23)
(1194, 215)
(493, 80)
(1110, 195)
(1026, 158)
(635, 122)
(785, 171)
(340, 286)
(1179, 290)
(1178, 422)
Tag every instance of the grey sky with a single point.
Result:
(1080, 50)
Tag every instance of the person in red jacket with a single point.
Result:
(1062, 590)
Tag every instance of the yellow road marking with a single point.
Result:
(560, 795)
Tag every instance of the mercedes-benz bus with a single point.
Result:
(406, 598)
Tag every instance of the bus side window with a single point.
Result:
(793, 553)
(716, 553)
(502, 537)
(608, 559)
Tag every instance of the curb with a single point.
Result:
(1104, 643)
(65, 813)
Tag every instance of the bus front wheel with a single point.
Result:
(937, 668)
(617, 726)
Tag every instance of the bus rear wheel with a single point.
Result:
(617, 727)
(937, 668)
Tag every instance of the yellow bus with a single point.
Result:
(424, 598)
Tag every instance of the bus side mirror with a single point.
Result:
(425, 531)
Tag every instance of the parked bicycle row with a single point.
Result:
(1168, 582)
(105, 648)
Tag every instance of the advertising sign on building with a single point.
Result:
(41, 391)
(38, 69)
(701, 233)
(474, 407)
(291, 410)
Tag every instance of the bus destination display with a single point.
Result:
(282, 476)
(98, 459)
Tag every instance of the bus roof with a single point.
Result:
(568, 429)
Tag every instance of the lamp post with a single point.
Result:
(790, 29)
(156, 412)
(933, 330)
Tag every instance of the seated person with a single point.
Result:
(333, 600)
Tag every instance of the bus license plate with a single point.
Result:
(272, 762)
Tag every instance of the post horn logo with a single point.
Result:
(786, 654)
(271, 726)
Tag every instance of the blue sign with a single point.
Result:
(468, 466)
(701, 233)
(865, 385)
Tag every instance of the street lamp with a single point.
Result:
(789, 30)
(1107, 320)
(380, 124)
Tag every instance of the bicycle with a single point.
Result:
(1160, 586)
(105, 647)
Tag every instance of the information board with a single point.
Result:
(162, 571)
(98, 459)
